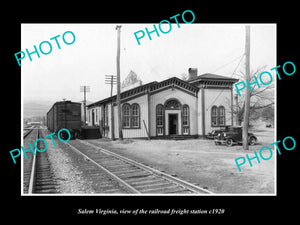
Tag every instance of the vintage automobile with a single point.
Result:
(234, 135)
(216, 132)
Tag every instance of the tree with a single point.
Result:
(184, 76)
(260, 98)
(267, 114)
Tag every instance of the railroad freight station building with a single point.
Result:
(172, 107)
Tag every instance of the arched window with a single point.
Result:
(217, 116)
(135, 116)
(126, 116)
(221, 115)
(185, 115)
(214, 116)
(172, 104)
(186, 119)
(160, 119)
(131, 116)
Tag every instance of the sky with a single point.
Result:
(211, 48)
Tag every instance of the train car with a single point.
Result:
(65, 114)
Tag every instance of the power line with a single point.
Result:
(242, 56)
(238, 65)
(228, 63)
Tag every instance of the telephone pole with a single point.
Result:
(111, 79)
(118, 28)
(84, 89)
(247, 96)
(237, 122)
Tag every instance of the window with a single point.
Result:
(186, 130)
(172, 104)
(131, 116)
(160, 119)
(214, 116)
(160, 131)
(126, 115)
(218, 116)
(185, 119)
(185, 115)
(135, 115)
(221, 116)
(159, 115)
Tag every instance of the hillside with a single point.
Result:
(36, 109)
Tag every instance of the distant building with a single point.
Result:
(35, 123)
(167, 108)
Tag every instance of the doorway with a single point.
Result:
(173, 124)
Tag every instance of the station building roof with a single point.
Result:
(189, 86)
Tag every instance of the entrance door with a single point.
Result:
(173, 124)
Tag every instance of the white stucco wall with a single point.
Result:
(184, 98)
(213, 97)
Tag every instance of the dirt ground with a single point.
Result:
(203, 163)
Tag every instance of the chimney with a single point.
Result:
(193, 73)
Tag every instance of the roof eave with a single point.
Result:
(229, 80)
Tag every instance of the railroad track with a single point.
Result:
(27, 131)
(37, 175)
(133, 176)
(28, 137)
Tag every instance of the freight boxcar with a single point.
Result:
(65, 114)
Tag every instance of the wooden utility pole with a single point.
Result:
(84, 103)
(111, 80)
(247, 95)
(237, 121)
(118, 28)
(84, 89)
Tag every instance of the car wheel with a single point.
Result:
(252, 141)
(64, 135)
(229, 142)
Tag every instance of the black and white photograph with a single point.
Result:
(144, 109)
(129, 112)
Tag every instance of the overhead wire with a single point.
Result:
(229, 63)
(242, 56)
